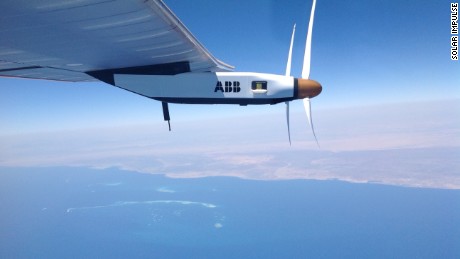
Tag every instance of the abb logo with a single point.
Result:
(228, 87)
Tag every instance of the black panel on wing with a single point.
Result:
(161, 69)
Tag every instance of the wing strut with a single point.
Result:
(166, 113)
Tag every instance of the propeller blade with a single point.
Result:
(287, 120)
(307, 57)
(288, 65)
(307, 106)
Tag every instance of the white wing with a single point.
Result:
(69, 40)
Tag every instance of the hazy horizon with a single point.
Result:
(412, 144)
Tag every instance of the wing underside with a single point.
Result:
(71, 40)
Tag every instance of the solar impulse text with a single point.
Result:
(454, 31)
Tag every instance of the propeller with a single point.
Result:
(306, 88)
(306, 68)
(287, 120)
(288, 65)
(288, 73)
(307, 106)
(307, 56)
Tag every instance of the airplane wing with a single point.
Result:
(80, 40)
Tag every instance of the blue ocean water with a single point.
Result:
(88, 213)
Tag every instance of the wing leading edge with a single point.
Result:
(80, 40)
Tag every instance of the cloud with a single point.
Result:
(414, 144)
(131, 203)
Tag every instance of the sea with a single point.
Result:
(77, 212)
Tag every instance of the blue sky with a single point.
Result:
(364, 52)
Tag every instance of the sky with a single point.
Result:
(388, 83)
